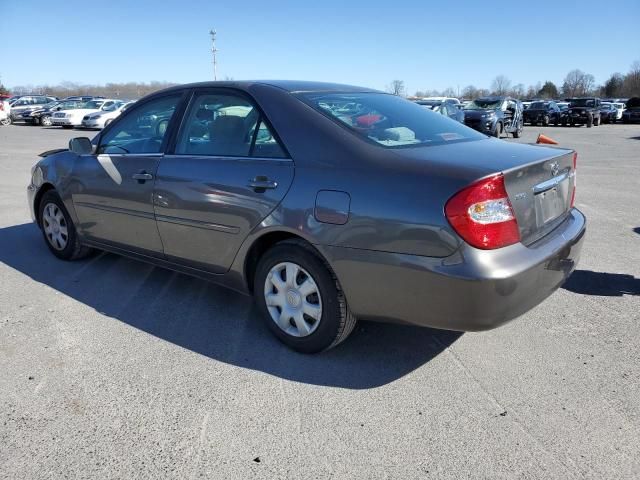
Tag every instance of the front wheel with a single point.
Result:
(497, 131)
(45, 121)
(5, 121)
(545, 121)
(589, 122)
(518, 131)
(58, 229)
(301, 299)
(596, 121)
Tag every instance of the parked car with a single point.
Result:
(28, 103)
(442, 100)
(5, 110)
(42, 116)
(495, 116)
(543, 112)
(73, 118)
(470, 232)
(526, 105)
(448, 109)
(608, 113)
(583, 111)
(631, 113)
(619, 108)
(103, 118)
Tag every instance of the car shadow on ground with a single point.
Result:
(637, 230)
(215, 322)
(588, 282)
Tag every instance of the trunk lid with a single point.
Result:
(541, 193)
(539, 179)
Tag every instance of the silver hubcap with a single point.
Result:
(293, 299)
(55, 226)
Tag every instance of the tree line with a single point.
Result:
(576, 84)
(126, 91)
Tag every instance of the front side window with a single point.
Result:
(141, 130)
(389, 120)
(226, 125)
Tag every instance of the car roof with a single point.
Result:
(291, 86)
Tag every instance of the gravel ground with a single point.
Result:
(110, 368)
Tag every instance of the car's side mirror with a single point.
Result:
(80, 146)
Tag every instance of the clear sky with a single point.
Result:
(429, 45)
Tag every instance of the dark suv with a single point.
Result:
(495, 116)
(583, 111)
(544, 112)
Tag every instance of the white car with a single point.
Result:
(104, 117)
(442, 99)
(5, 110)
(619, 108)
(73, 118)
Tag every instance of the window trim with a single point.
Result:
(197, 92)
(180, 94)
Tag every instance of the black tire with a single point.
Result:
(73, 250)
(336, 321)
(497, 130)
(45, 121)
(596, 121)
(545, 121)
(564, 122)
(589, 122)
(5, 121)
(518, 131)
(556, 122)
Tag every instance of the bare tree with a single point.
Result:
(470, 92)
(631, 84)
(396, 87)
(500, 85)
(517, 91)
(577, 83)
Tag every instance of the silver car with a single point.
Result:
(328, 203)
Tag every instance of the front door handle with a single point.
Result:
(142, 177)
(261, 183)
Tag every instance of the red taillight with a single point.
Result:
(575, 171)
(482, 214)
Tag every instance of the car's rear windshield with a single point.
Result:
(582, 102)
(389, 120)
(536, 105)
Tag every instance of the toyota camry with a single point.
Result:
(328, 203)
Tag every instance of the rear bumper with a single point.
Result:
(468, 291)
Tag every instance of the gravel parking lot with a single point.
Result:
(110, 368)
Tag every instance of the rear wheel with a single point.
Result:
(301, 299)
(5, 121)
(58, 229)
(545, 121)
(497, 130)
(45, 121)
(596, 121)
(589, 122)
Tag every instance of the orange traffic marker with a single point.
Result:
(545, 139)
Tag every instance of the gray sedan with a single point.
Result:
(328, 203)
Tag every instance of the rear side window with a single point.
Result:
(226, 125)
(388, 120)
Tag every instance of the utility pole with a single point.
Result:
(214, 50)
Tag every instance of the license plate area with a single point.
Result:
(552, 202)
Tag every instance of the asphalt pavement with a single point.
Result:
(111, 368)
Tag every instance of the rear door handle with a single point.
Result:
(142, 177)
(260, 184)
